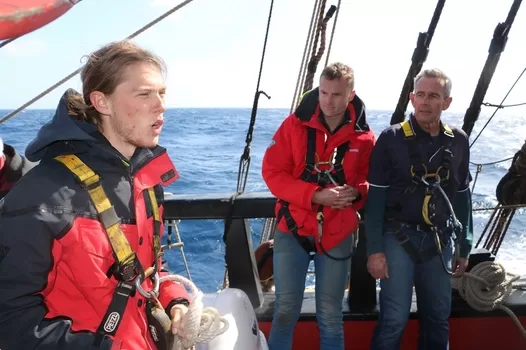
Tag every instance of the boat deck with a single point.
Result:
(516, 301)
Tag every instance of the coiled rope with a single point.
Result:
(486, 287)
(199, 325)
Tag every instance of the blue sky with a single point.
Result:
(213, 49)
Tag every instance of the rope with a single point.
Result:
(199, 325)
(486, 288)
(332, 33)
(306, 50)
(72, 74)
(509, 206)
(503, 106)
(5, 42)
(479, 169)
(244, 163)
(315, 58)
(496, 109)
(492, 163)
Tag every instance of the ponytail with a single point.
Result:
(78, 108)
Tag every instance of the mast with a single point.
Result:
(497, 46)
(417, 61)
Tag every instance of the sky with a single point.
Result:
(213, 49)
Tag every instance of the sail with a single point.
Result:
(19, 17)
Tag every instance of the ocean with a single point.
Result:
(206, 145)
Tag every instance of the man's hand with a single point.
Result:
(460, 268)
(377, 266)
(177, 312)
(346, 195)
(336, 197)
(326, 196)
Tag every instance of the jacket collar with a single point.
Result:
(419, 132)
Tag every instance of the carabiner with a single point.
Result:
(154, 293)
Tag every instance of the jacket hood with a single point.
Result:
(309, 102)
(62, 127)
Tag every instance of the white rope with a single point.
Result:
(486, 288)
(199, 325)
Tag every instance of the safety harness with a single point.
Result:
(312, 173)
(433, 183)
(127, 269)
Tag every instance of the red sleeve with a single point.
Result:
(361, 179)
(170, 290)
(278, 167)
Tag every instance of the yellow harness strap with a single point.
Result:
(107, 215)
(129, 267)
(157, 223)
(407, 129)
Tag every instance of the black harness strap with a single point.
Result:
(418, 160)
(310, 174)
(402, 237)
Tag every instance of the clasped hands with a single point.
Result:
(337, 197)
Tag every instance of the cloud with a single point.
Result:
(26, 47)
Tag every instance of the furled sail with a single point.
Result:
(19, 17)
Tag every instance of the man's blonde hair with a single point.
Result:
(339, 70)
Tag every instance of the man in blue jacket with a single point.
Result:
(419, 205)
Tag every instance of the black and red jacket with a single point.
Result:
(55, 255)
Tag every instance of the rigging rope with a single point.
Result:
(315, 57)
(511, 194)
(5, 42)
(306, 51)
(503, 106)
(486, 287)
(332, 32)
(244, 162)
(72, 74)
(496, 109)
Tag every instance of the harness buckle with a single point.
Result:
(129, 271)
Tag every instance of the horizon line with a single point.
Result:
(188, 107)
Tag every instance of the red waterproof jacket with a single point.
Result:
(55, 257)
(284, 162)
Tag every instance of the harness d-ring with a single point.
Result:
(154, 293)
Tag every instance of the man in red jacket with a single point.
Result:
(317, 167)
(80, 234)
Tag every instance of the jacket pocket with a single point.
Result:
(341, 222)
(88, 254)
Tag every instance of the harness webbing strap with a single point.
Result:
(156, 228)
(419, 169)
(311, 175)
(311, 147)
(128, 266)
(292, 226)
(107, 216)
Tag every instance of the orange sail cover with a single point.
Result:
(19, 17)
